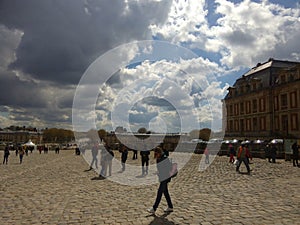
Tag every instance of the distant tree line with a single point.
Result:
(58, 135)
(62, 135)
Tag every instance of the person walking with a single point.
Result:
(6, 154)
(57, 149)
(295, 149)
(206, 153)
(124, 155)
(26, 150)
(40, 148)
(110, 157)
(273, 153)
(135, 155)
(94, 155)
(231, 153)
(21, 154)
(145, 161)
(163, 168)
(268, 153)
(104, 163)
(241, 156)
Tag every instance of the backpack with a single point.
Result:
(174, 170)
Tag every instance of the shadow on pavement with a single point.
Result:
(160, 220)
(98, 178)
(88, 170)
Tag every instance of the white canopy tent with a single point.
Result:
(30, 144)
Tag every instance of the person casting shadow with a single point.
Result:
(94, 156)
(164, 179)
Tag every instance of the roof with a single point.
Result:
(270, 63)
(264, 78)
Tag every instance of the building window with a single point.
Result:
(284, 123)
(254, 124)
(236, 109)
(241, 89)
(254, 86)
(230, 110)
(227, 126)
(248, 87)
(276, 105)
(231, 125)
(282, 79)
(276, 118)
(248, 107)
(248, 124)
(242, 125)
(262, 105)
(262, 123)
(291, 77)
(283, 101)
(242, 107)
(254, 105)
(293, 99)
(294, 122)
(236, 125)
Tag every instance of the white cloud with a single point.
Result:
(250, 32)
(245, 33)
(184, 22)
(176, 82)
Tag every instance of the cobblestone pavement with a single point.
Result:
(58, 189)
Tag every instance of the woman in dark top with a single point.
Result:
(163, 169)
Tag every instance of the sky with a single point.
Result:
(163, 65)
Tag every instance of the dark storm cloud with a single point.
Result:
(24, 94)
(61, 38)
(56, 42)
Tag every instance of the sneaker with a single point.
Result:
(168, 210)
(151, 210)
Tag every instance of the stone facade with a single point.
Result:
(264, 103)
(20, 137)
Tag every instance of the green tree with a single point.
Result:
(142, 130)
(58, 135)
(204, 134)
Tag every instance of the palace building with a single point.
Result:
(264, 103)
(20, 137)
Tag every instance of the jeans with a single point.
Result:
(207, 159)
(163, 189)
(245, 160)
(5, 159)
(145, 161)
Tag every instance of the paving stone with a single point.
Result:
(58, 189)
